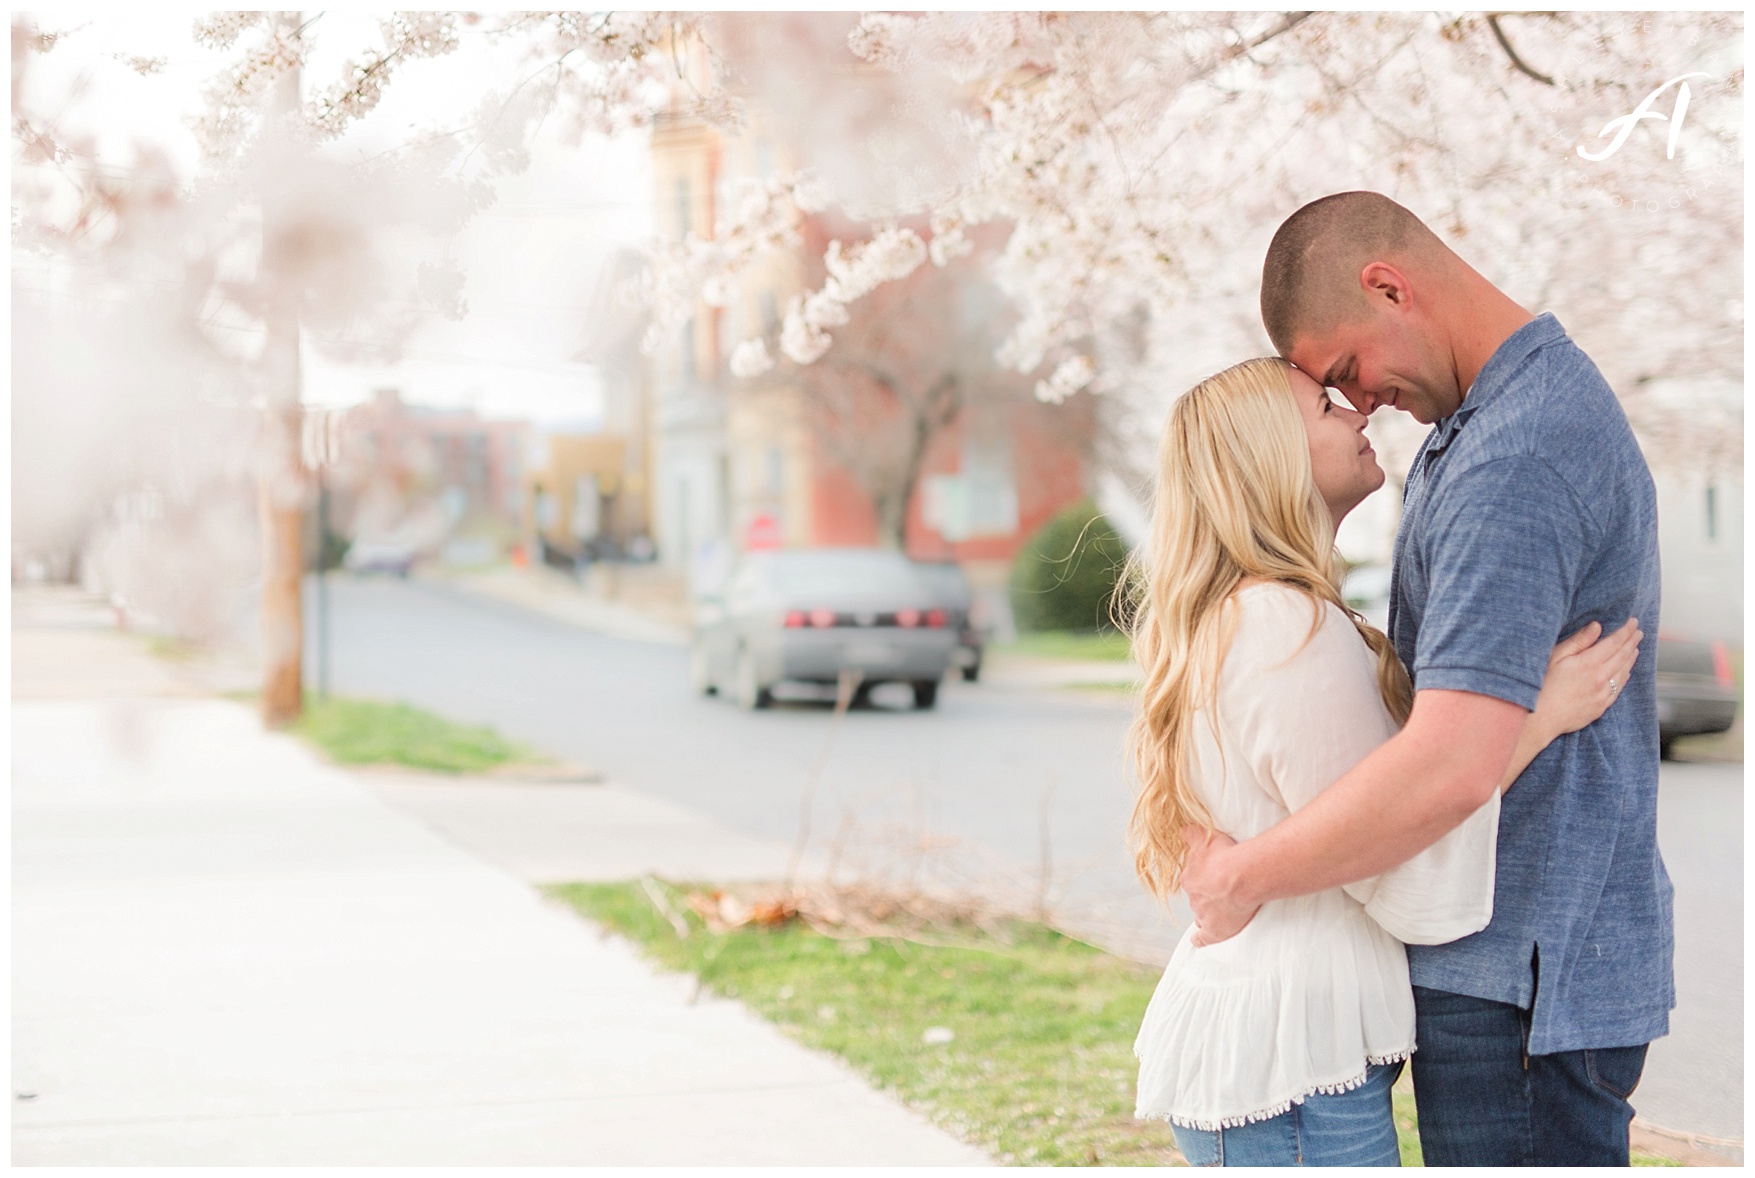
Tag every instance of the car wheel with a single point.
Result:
(751, 693)
(925, 693)
(701, 671)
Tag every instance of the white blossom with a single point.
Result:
(751, 358)
(802, 337)
(221, 30)
(761, 217)
(407, 35)
(234, 99)
(1070, 376)
(890, 254)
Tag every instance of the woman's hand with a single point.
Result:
(1586, 676)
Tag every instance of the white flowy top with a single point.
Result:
(1315, 988)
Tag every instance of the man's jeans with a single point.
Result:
(1483, 1102)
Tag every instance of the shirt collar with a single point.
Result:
(1491, 380)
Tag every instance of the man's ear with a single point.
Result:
(1382, 281)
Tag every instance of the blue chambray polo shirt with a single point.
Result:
(1528, 513)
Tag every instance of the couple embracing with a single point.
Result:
(1435, 847)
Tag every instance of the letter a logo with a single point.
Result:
(1623, 126)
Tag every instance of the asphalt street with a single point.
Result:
(1022, 785)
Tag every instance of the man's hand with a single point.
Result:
(1204, 882)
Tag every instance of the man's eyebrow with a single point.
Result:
(1333, 373)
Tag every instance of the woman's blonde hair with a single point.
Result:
(1235, 499)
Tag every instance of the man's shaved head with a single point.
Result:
(1310, 280)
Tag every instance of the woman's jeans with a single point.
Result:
(1340, 1129)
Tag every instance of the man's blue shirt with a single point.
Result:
(1528, 513)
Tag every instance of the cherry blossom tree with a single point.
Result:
(1135, 163)
(911, 358)
(1140, 162)
(283, 239)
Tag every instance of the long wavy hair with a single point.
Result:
(1235, 499)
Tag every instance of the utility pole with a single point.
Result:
(283, 482)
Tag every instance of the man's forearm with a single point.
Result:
(1405, 796)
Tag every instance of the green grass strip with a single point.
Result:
(365, 732)
(1107, 646)
(1040, 1070)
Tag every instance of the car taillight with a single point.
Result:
(1721, 666)
(795, 618)
(822, 618)
(935, 618)
(907, 618)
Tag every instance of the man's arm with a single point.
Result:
(1443, 765)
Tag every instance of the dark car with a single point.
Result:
(958, 599)
(1696, 692)
(807, 615)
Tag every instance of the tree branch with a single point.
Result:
(1505, 44)
(1292, 20)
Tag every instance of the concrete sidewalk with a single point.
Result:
(226, 952)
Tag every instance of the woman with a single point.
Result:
(1280, 1045)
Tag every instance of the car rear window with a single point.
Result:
(838, 572)
(1675, 657)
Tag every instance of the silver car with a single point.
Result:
(807, 615)
(958, 600)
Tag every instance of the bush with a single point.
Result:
(1066, 575)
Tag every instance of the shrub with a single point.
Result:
(1066, 575)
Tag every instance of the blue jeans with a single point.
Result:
(1484, 1102)
(1340, 1129)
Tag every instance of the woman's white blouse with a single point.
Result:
(1315, 988)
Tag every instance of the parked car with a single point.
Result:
(378, 556)
(806, 615)
(1696, 692)
(958, 599)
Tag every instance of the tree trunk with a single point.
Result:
(281, 494)
(283, 484)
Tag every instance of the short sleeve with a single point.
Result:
(1504, 546)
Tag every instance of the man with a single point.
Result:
(1528, 513)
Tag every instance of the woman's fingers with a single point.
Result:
(1623, 666)
(1611, 648)
(1578, 641)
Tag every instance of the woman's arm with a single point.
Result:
(1577, 689)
